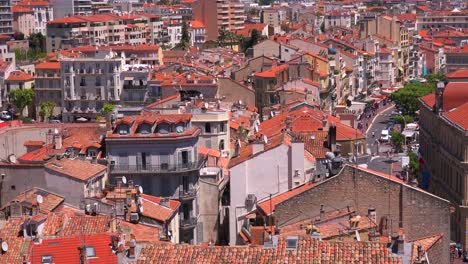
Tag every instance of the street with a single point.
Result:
(379, 159)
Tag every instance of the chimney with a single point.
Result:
(332, 138)
(132, 246)
(257, 146)
(57, 139)
(82, 255)
(322, 212)
(288, 123)
(439, 102)
(372, 214)
(165, 202)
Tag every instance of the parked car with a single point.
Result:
(384, 136)
(5, 115)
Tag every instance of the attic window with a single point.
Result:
(164, 128)
(291, 243)
(46, 259)
(90, 252)
(144, 128)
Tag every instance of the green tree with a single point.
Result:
(414, 168)
(185, 39)
(47, 108)
(434, 78)
(107, 109)
(402, 120)
(222, 37)
(397, 139)
(252, 40)
(406, 98)
(22, 98)
(37, 42)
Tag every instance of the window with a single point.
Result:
(221, 144)
(222, 127)
(180, 128)
(164, 129)
(144, 128)
(46, 259)
(207, 127)
(90, 252)
(185, 157)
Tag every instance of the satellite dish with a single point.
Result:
(4, 246)
(124, 180)
(265, 139)
(140, 189)
(206, 105)
(39, 199)
(141, 209)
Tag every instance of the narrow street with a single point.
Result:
(379, 158)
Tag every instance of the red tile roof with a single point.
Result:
(64, 224)
(81, 170)
(50, 201)
(48, 66)
(268, 206)
(39, 143)
(308, 250)
(34, 3)
(21, 9)
(196, 24)
(17, 246)
(153, 208)
(273, 71)
(458, 74)
(65, 250)
(19, 76)
(426, 244)
(459, 115)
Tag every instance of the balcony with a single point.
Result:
(188, 194)
(149, 168)
(189, 222)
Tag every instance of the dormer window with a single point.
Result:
(123, 129)
(180, 127)
(164, 128)
(144, 128)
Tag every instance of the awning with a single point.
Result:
(129, 78)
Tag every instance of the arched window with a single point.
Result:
(123, 129)
(144, 128)
(164, 128)
(180, 127)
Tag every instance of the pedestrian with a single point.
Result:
(460, 253)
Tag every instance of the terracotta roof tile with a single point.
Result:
(312, 250)
(459, 115)
(50, 201)
(19, 76)
(17, 246)
(65, 250)
(268, 206)
(48, 66)
(82, 170)
(154, 209)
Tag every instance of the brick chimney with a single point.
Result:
(332, 138)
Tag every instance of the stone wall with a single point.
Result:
(419, 213)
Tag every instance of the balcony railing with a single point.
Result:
(149, 168)
(188, 194)
(189, 222)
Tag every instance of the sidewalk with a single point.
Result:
(369, 117)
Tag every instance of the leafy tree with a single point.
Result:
(402, 120)
(185, 39)
(406, 98)
(29, 55)
(107, 109)
(414, 168)
(397, 140)
(37, 42)
(434, 78)
(22, 98)
(47, 108)
(18, 36)
(252, 40)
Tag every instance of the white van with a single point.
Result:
(384, 136)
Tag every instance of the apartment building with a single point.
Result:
(23, 20)
(160, 153)
(197, 33)
(271, 17)
(89, 83)
(385, 71)
(43, 13)
(6, 17)
(443, 139)
(442, 19)
(48, 86)
(219, 14)
(104, 29)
